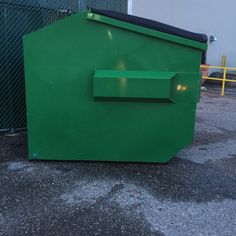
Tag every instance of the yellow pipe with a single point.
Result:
(211, 78)
(219, 79)
(224, 79)
(218, 67)
(224, 61)
(223, 83)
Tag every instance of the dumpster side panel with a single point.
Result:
(66, 121)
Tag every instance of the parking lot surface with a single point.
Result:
(195, 194)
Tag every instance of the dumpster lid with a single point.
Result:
(151, 24)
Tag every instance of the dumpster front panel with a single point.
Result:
(76, 110)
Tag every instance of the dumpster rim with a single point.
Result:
(146, 31)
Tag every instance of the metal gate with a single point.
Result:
(17, 18)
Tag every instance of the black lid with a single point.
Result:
(151, 24)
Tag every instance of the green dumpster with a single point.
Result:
(106, 86)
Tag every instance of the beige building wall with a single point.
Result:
(212, 17)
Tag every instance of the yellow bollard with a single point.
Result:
(223, 82)
(224, 61)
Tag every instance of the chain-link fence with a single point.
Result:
(17, 18)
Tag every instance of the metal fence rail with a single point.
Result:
(223, 79)
(20, 17)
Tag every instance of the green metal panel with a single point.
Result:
(132, 84)
(66, 121)
(143, 30)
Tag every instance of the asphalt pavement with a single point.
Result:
(195, 194)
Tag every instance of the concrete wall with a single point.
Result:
(212, 17)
